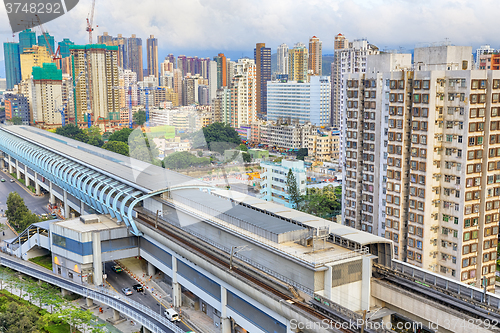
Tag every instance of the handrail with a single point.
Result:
(134, 310)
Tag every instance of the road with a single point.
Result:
(122, 280)
(35, 204)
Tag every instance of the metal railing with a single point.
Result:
(249, 261)
(307, 260)
(461, 290)
(134, 310)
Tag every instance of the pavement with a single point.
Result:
(37, 204)
(195, 321)
(6, 231)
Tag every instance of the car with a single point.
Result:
(117, 269)
(12, 180)
(138, 287)
(172, 315)
(2, 180)
(127, 291)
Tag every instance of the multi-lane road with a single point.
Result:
(123, 280)
(37, 205)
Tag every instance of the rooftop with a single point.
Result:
(105, 223)
(138, 174)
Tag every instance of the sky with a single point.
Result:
(207, 27)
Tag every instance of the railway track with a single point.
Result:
(205, 254)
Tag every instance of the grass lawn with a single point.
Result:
(58, 328)
(44, 261)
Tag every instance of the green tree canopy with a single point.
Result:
(242, 147)
(293, 189)
(140, 117)
(16, 209)
(17, 120)
(121, 135)
(183, 160)
(302, 153)
(217, 137)
(117, 147)
(246, 157)
(73, 132)
(323, 202)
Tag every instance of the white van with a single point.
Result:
(172, 315)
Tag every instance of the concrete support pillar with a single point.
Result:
(37, 185)
(82, 208)
(116, 315)
(10, 165)
(366, 283)
(26, 177)
(65, 204)
(18, 173)
(176, 287)
(145, 329)
(328, 282)
(2, 161)
(90, 302)
(96, 252)
(52, 197)
(65, 292)
(226, 322)
(151, 269)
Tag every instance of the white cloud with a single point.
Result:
(222, 25)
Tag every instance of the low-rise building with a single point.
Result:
(273, 180)
(323, 147)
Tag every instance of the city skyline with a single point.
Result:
(236, 28)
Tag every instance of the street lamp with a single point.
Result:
(234, 250)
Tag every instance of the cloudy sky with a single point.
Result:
(206, 27)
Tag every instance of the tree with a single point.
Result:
(95, 141)
(140, 117)
(293, 189)
(183, 160)
(302, 153)
(141, 149)
(117, 147)
(242, 147)
(16, 209)
(246, 157)
(323, 202)
(73, 132)
(121, 135)
(217, 137)
(17, 121)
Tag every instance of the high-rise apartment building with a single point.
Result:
(282, 59)
(12, 64)
(221, 70)
(297, 63)
(105, 38)
(182, 64)
(315, 61)
(349, 57)
(27, 38)
(153, 56)
(48, 41)
(134, 53)
(243, 93)
(99, 81)
(17, 106)
(212, 79)
(262, 58)
(64, 47)
(421, 159)
(300, 102)
(34, 56)
(47, 96)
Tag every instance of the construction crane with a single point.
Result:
(90, 22)
(55, 55)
